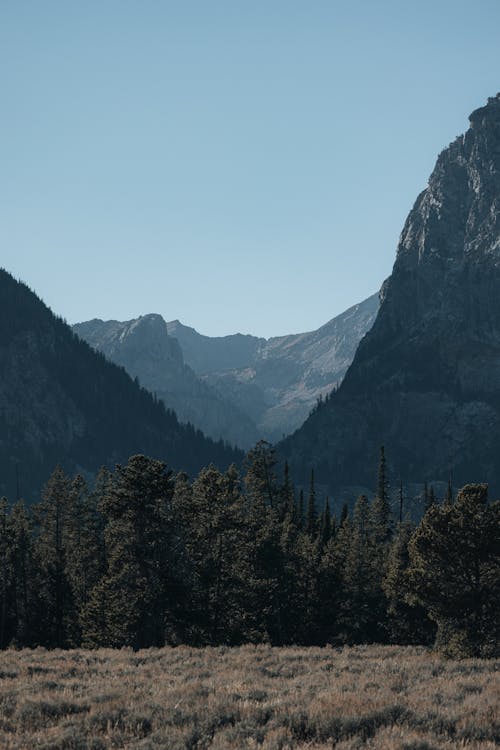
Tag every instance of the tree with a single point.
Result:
(213, 525)
(52, 516)
(135, 587)
(360, 615)
(25, 595)
(311, 515)
(406, 623)
(381, 509)
(455, 572)
(260, 477)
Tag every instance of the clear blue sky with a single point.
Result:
(237, 165)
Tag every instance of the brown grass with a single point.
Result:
(251, 697)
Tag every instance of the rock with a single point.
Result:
(425, 381)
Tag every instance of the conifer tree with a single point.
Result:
(137, 582)
(455, 572)
(326, 524)
(52, 515)
(311, 522)
(4, 571)
(26, 605)
(260, 477)
(406, 623)
(214, 539)
(449, 493)
(262, 552)
(359, 612)
(300, 510)
(380, 508)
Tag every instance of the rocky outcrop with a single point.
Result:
(425, 381)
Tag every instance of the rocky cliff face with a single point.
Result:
(146, 350)
(425, 381)
(62, 403)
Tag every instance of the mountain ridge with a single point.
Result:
(425, 380)
(239, 386)
(63, 403)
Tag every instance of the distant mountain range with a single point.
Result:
(237, 387)
(425, 381)
(63, 403)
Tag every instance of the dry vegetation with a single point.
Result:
(249, 697)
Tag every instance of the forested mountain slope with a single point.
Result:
(61, 402)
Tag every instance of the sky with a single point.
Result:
(237, 165)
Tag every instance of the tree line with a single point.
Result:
(148, 558)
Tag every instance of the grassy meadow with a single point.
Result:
(384, 697)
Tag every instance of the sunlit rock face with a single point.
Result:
(425, 381)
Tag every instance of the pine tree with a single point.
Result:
(4, 571)
(311, 522)
(326, 524)
(381, 509)
(359, 614)
(52, 515)
(455, 572)
(136, 583)
(26, 604)
(406, 623)
(449, 493)
(260, 477)
(300, 510)
(401, 502)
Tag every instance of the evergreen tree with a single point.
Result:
(25, 599)
(406, 623)
(401, 502)
(260, 477)
(300, 510)
(311, 520)
(448, 498)
(213, 542)
(4, 571)
(326, 524)
(136, 583)
(359, 615)
(52, 516)
(381, 509)
(455, 572)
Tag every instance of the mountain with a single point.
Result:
(208, 353)
(146, 350)
(61, 402)
(287, 375)
(239, 387)
(425, 381)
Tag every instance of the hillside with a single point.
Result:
(61, 402)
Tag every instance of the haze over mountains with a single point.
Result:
(63, 403)
(425, 381)
(240, 387)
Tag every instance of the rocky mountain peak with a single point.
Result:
(425, 381)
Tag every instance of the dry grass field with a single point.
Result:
(249, 697)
